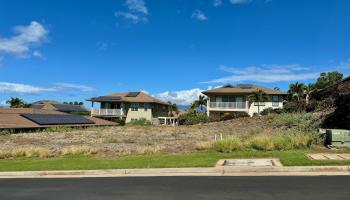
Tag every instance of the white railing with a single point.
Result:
(228, 105)
(106, 112)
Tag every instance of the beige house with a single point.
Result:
(230, 98)
(132, 106)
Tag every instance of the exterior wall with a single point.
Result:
(252, 107)
(140, 114)
(150, 113)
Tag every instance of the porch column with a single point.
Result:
(208, 106)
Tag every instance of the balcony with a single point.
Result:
(229, 106)
(107, 112)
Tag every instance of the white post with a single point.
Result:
(208, 106)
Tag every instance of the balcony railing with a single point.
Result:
(229, 105)
(106, 112)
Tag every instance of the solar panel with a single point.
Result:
(57, 119)
(133, 94)
(107, 98)
(245, 86)
(69, 107)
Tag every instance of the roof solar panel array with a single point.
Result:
(106, 98)
(69, 107)
(133, 94)
(57, 119)
(245, 86)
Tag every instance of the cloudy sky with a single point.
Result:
(71, 50)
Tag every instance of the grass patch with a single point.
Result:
(200, 159)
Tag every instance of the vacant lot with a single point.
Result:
(125, 140)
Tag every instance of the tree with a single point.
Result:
(258, 96)
(173, 107)
(202, 101)
(296, 90)
(307, 91)
(327, 79)
(17, 103)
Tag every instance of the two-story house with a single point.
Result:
(132, 106)
(231, 98)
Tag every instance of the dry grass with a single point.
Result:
(79, 150)
(115, 141)
(39, 152)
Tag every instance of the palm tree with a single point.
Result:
(307, 91)
(202, 101)
(296, 90)
(16, 102)
(258, 96)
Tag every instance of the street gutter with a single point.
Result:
(214, 171)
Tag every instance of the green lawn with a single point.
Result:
(202, 159)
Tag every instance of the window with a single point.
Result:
(146, 106)
(275, 100)
(259, 103)
(134, 107)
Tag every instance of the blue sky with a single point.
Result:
(72, 50)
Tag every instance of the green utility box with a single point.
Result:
(337, 137)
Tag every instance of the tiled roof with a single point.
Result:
(242, 89)
(132, 97)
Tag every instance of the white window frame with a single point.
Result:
(134, 106)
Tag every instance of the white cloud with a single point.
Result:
(265, 74)
(7, 87)
(22, 88)
(26, 38)
(137, 6)
(240, 1)
(181, 97)
(199, 15)
(65, 86)
(136, 11)
(3, 103)
(217, 3)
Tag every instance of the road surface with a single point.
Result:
(192, 188)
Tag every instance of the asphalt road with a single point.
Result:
(162, 188)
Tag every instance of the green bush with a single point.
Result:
(261, 142)
(120, 121)
(295, 106)
(271, 110)
(228, 116)
(228, 145)
(300, 121)
(140, 122)
(192, 118)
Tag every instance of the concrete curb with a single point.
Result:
(218, 171)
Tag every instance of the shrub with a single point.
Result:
(281, 142)
(192, 118)
(149, 149)
(228, 145)
(271, 110)
(4, 154)
(295, 106)
(120, 121)
(228, 116)
(261, 142)
(30, 152)
(79, 150)
(302, 140)
(200, 146)
(300, 121)
(140, 122)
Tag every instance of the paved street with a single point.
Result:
(161, 188)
